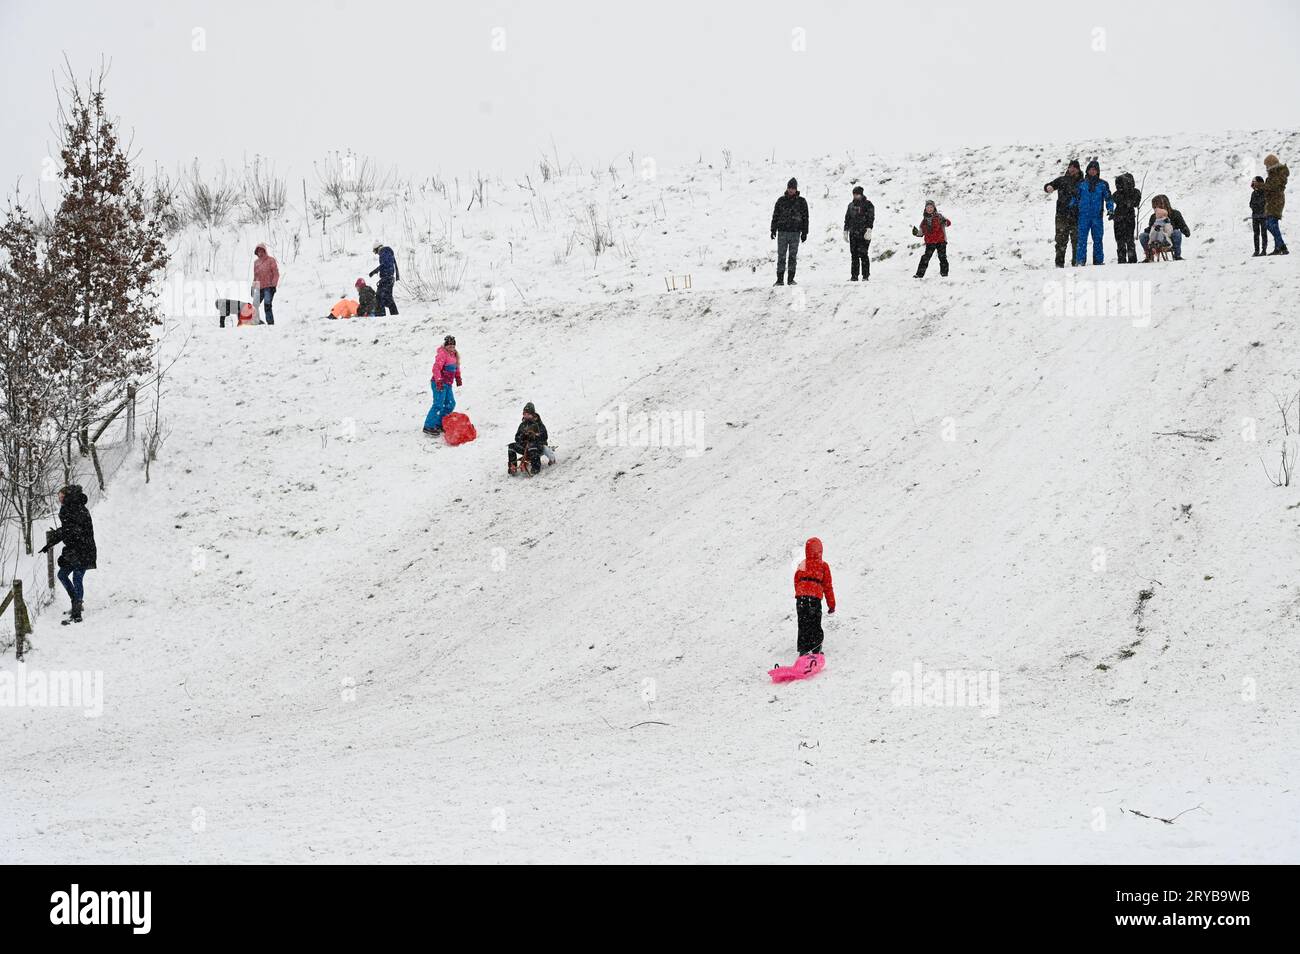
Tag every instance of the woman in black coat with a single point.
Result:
(77, 534)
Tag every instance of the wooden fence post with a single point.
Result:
(130, 413)
(22, 621)
(49, 557)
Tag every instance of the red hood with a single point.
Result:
(813, 550)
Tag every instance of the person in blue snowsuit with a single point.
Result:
(388, 273)
(1091, 197)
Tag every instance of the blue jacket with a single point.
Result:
(1090, 196)
(387, 264)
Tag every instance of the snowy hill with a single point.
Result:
(324, 638)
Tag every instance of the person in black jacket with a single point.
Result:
(529, 440)
(77, 534)
(789, 228)
(1067, 217)
(1258, 220)
(1127, 199)
(859, 219)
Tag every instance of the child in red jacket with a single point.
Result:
(933, 230)
(812, 581)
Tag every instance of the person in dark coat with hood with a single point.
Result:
(367, 300)
(77, 534)
(1067, 222)
(1090, 198)
(859, 219)
(1275, 177)
(789, 228)
(1127, 200)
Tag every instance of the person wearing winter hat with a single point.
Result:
(446, 369)
(1275, 176)
(530, 438)
(388, 274)
(366, 299)
(789, 228)
(77, 534)
(859, 219)
(1067, 223)
(266, 277)
(1090, 198)
(934, 230)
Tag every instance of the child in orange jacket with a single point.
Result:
(812, 581)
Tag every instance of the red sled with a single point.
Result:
(804, 667)
(457, 429)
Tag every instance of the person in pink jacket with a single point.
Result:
(266, 276)
(446, 370)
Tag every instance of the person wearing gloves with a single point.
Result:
(859, 219)
(812, 583)
(77, 534)
(446, 371)
(266, 277)
(388, 274)
(1090, 198)
(934, 230)
(789, 228)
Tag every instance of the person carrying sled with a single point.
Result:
(530, 438)
(266, 278)
(446, 370)
(388, 274)
(1090, 198)
(1275, 176)
(812, 582)
(1177, 231)
(1067, 223)
(859, 219)
(933, 230)
(1127, 199)
(77, 534)
(789, 228)
(367, 300)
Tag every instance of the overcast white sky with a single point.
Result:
(419, 85)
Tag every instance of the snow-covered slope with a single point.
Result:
(325, 638)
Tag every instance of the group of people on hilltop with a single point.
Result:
(1084, 201)
(1081, 198)
(790, 228)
